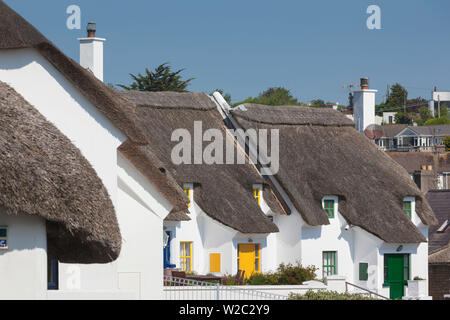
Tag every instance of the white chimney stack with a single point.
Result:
(364, 106)
(91, 51)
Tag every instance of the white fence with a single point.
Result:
(185, 289)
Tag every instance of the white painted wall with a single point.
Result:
(139, 206)
(141, 210)
(332, 237)
(23, 266)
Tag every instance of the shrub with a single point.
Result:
(328, 295)
(286, 274)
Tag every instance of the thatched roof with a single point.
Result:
(223, 191)
(17, 33)
(42, 173)
(322, 154)
(439, 241)
(413, 161)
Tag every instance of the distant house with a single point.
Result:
(438, 99)
(412, 138)
(389, 117)
(429, 171)
(439, 247)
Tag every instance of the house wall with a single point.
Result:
(23, 266)
(439, 284)
(32, 76)
(207, 236)
(332, 237)
(140, 213)
(140, 208)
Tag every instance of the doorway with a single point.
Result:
(396, 274)
(249, 258)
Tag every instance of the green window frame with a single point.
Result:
(328, 206)
(406, 269)
(329, 263)
(407, 208)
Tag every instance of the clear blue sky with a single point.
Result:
(310, 47)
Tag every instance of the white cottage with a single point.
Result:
(337, 202)
(356, 212)
(225, 229)
(75, 226)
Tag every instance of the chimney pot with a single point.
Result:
(91, 29)
(364, 83)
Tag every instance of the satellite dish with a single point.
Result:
(374, 132)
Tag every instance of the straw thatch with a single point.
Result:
(223, 191)
(42, 173)
(322, 154)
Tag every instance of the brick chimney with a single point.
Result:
(91, 51)
(364, 106)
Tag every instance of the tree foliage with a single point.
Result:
(276, 96)
(162, 79)
(397, 97)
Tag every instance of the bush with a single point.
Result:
(285, 275)
(328, 295)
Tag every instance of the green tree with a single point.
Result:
(436, 121)
(318, 103)
(397, 97)
(162, 79)
(403, 118)
(424, 115)
(276, 96)
(444, 110)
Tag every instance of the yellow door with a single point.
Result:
(249, 258)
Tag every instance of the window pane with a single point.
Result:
(256, 250)
(188, 264)
(188, 249)
(3, 232)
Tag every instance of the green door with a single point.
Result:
(395, 275)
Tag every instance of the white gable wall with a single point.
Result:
(32, 76)
(141, 210)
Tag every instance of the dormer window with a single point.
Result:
(257, 194)
(407, 208)
(187, 190)
(328, 206)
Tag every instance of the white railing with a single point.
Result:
(186, 289)
(364, 291)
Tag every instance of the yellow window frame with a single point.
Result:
(257, 195)
(187, 190)
(184, 257)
